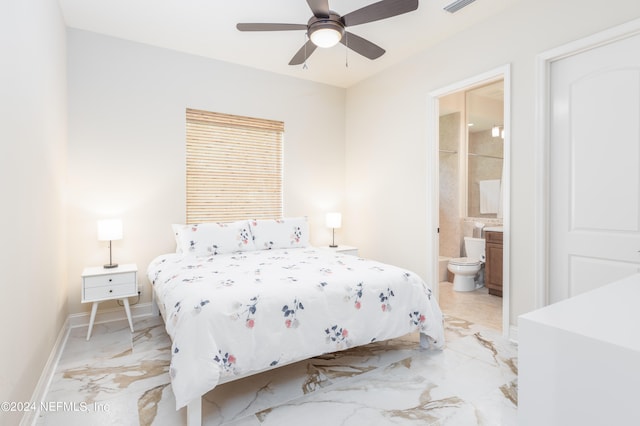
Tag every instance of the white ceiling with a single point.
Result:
(207, 28)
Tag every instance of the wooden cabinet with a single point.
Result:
(493, 262)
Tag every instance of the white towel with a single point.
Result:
(489, 196)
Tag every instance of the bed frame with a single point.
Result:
(194, 408)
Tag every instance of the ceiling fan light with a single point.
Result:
(325, 37)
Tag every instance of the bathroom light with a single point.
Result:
(497, 131)
(109, 230)
(333, 220)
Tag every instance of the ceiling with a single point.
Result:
(207, 28)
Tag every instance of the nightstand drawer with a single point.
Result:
(110, 291)
(110, 280)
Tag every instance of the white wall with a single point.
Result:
(127, 144)
(386, 154)
(33, 288)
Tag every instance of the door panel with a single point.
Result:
(594, 206)
(588, 273)
(604, 113)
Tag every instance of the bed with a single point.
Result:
(249, 296)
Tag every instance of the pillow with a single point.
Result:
(205, 239)
(280, 233)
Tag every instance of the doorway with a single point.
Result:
(473, 163)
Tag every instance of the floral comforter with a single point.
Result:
(233, 314)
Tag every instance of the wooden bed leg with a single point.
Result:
(194, 412)
(424, 341)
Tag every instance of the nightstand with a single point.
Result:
(350, 250)
(100, 284)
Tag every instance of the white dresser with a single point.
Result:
(578, 359)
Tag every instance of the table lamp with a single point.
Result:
(333, 220)
(109, 230)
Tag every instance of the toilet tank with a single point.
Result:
(474, 248)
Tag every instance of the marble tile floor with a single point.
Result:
(121, 378)
(478, 306)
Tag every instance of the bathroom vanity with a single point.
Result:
(493, 265)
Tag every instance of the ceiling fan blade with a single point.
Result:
(270, 27)
(320, 8)
(380, 10)
(305, 51)
(362, 46)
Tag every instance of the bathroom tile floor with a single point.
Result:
(476, 306)
(122, 378)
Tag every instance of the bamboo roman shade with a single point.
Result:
(234, 167)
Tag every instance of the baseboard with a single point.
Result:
(29, 418)
(109, 315)
(513, 334)
(74, 320)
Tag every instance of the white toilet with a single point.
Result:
(465, 269)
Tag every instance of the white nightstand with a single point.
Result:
(350, 250)
(100, 284)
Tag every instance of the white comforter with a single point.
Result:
(233, 314)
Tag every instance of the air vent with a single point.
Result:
(457, 5)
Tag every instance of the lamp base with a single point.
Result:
(110, 265)
(333, 245)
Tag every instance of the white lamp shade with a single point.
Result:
(334, 220)
(110, 229)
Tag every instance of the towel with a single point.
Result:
(489, 196)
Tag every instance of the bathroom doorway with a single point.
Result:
(470, 149)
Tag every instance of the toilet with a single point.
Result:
(466, 268)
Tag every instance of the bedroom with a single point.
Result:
(90, 112)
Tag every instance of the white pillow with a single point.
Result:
(280, 233)
(206, 239)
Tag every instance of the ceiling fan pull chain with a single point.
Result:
(346, 51)
(304, 65)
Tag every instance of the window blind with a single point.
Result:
(234, 167)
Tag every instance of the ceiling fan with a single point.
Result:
(326, 28)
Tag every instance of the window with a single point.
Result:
(234, 167)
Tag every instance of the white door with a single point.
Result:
(594, 168)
